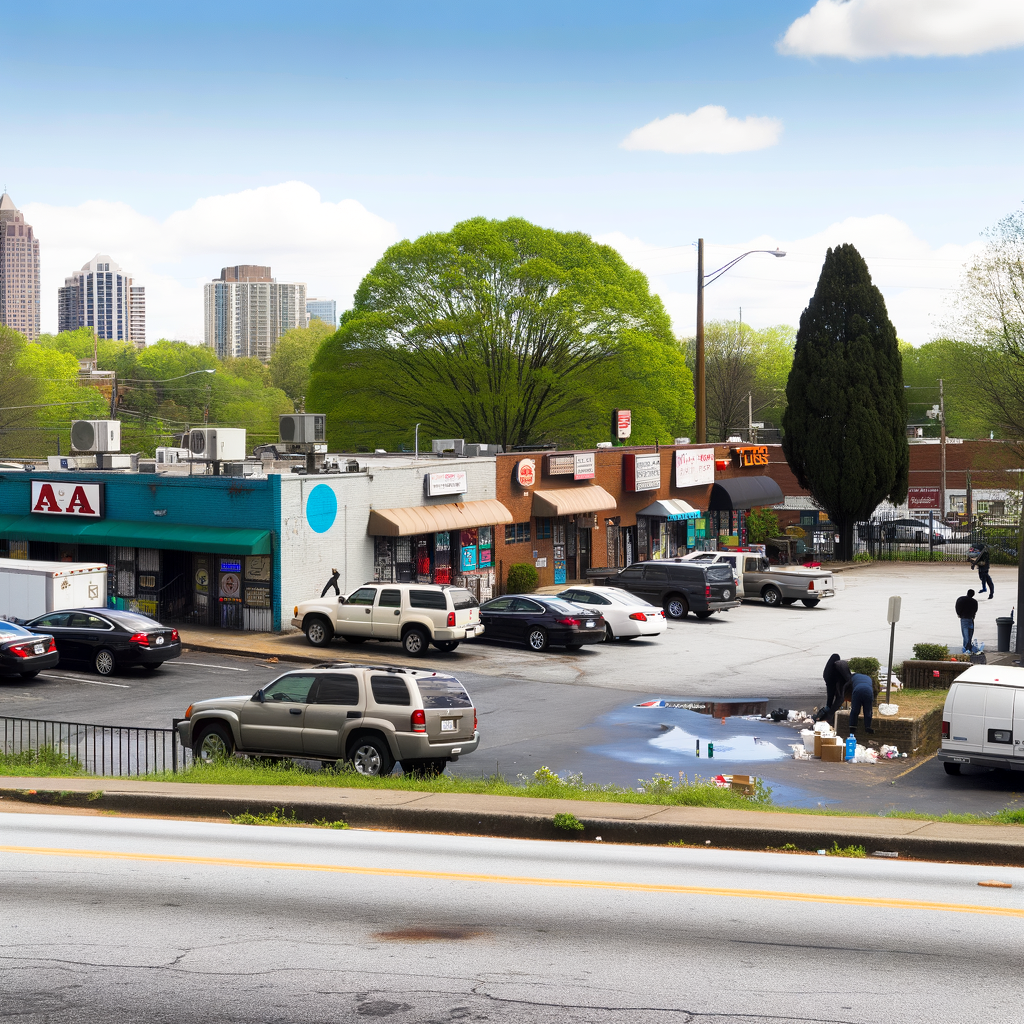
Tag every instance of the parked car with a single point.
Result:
(25, 653)
(540, 621)
(917, 531)
(760, 580)
(414, 614)
(108, 639)
(680, 587)
(371, 716)
(626, 616)
(983, 713)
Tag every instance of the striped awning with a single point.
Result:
(463, 515)
(572, 501)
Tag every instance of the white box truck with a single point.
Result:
(983, 719)
(29, 588)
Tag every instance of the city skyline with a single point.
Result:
(19, 271)
(105, 297)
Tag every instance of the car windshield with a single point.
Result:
(443, 692)
(620, 597)
(463, 599)
(562, 607)
(9, 629)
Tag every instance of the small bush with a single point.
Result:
(522, 578)
(278, 817)
(847, 851)
(762, 525)
(44, 761)
(862, 556)
(569, 822)
(931, 652)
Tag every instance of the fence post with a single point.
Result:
(174, 745)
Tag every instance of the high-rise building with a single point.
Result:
(103, 296)
(323, 309)
(19, 271)
(246, 311)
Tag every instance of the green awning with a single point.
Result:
(169, 536)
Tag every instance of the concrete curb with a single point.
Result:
(470, 814)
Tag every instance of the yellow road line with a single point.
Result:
(564, 883)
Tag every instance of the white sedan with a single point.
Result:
(626, 616)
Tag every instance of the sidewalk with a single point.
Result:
(528, 818)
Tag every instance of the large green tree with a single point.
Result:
(845, 422)
(290, 364)
(501, 332)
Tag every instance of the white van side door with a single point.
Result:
(1018, 723)
(967, 719)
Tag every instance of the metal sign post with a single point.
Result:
(893, 616)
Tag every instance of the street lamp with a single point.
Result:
(701, 409)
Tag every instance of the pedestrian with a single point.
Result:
(861, 694)
(333, 582)
(981, 559)
(837, 676)
(967, 609)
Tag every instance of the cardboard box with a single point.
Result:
(833, 752)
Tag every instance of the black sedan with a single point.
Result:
(540, 621)
(109, 639)
(25, 653)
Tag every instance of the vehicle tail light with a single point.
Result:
(52, 647)
(707, 589)
(174, 636)
(945, 730)
(810, 586)
(474, 719)
(418, 721)
(139, 638)
(296, 611)
(639, 616)
(568, 622)
(188, 712)
(451, 619)
(19, 651)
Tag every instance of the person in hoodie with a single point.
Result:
(836, 675)
(967, 610)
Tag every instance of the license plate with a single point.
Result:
(159, 639)
(447, 725)
(38, 648)
(590, 623)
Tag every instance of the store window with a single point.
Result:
(485, 546)
(517, 533)
(543, 529)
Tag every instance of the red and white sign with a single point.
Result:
(695, 466)
(623, 424)
(641, 472)
(583, 466)
(924, 499)
(447, 483)
(66, 498)
(526, 472)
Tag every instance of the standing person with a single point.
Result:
(967, 609)
(837, 677)
(861, 695)
(982, 561)
(333, 582)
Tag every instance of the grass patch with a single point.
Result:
(568, 822)
(46, 761)
(915, 703)
(847, 851)
(278, 817)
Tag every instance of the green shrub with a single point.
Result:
(847, 851)
(869, 667)
(931, 652)
(762, 525)
(522, 578)
(862, 556)
(569, 822)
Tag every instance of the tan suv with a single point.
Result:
(415, 614)
(370, 716)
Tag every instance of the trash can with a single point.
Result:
(1003, 626)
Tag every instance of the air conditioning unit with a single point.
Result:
(303, 428)
(452, 444)
(96, 435)
(476, 450)
(217, 444)
(166, 456)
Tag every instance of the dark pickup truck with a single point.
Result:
(680, 587)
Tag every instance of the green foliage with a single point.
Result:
(293, 357)
(862, 556)
(568, 822)
(867, 666)
(762, 525)
(44, 762)
(503, 332)
(277, 816)
(931, 652)
(522, 578)
(845, 425)
(847, 851)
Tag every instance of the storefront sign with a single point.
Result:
(561, 465)
(257, 567)
(526, 472)
(66, 499)
(468, 558)
(752, 455)
(446, 483)
(583, 466)
(641, 472)
(230, 585)
(230, 565)
(924, 499)
(622, 422)
(541, 563)
(695, 466)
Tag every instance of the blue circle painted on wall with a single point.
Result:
(321, 508)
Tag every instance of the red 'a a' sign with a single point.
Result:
(67, 499)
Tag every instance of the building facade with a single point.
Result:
(246, 310)
(323, 309)
(104, 297)
(19, 271)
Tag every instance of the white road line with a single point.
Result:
(226, 668)
(95, 682)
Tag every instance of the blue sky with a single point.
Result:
(426, 114)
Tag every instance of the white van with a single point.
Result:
(983, 719)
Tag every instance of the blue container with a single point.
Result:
(851, 747)
(711, 750)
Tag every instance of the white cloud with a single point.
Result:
(707, 130)
(917, 280)
(907, 28)
(329, 246)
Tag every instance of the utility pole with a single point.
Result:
(942, 449)
(750, 417)
(701, 424)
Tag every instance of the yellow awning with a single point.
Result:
(571, 501)
(464, 515)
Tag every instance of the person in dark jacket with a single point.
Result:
(967, 609)
(837, 676)
(333, 582)
(860, 692)
(981, 560)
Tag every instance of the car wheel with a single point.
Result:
(370, 756)
(703, 615)
(810, 602)
(154, 667)
(29, 675)
(676, 607)
(537, 639)
(354, 639)
(104, 662)
(415, 642)
(951, 768)
(609, 633)
(319, 631)
(771, 596)
(446, 645)
(214, 743)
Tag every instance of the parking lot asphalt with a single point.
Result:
(575, 711)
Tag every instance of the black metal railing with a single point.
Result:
(117, 750)
(925, 537)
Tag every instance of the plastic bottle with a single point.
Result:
(851, 747)
(711, 749)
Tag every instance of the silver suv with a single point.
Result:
(368, 715)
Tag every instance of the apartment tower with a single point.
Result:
(103, 296)
(323, 309)
(19, 271)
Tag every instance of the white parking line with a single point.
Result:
(95, 682)
(226, 668)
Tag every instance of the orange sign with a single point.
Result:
(754, 455)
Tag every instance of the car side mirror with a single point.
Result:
(258, 697)
(341, 600)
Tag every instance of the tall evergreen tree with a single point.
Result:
(846, 420)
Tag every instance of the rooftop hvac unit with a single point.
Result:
(476, 450)
(166, 456)
(96, 435)
(303, 428)
(217, 444)
(451, 444)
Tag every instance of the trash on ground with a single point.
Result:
(745, 784)
(888, 751)
(885, 853)
(888, 709)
